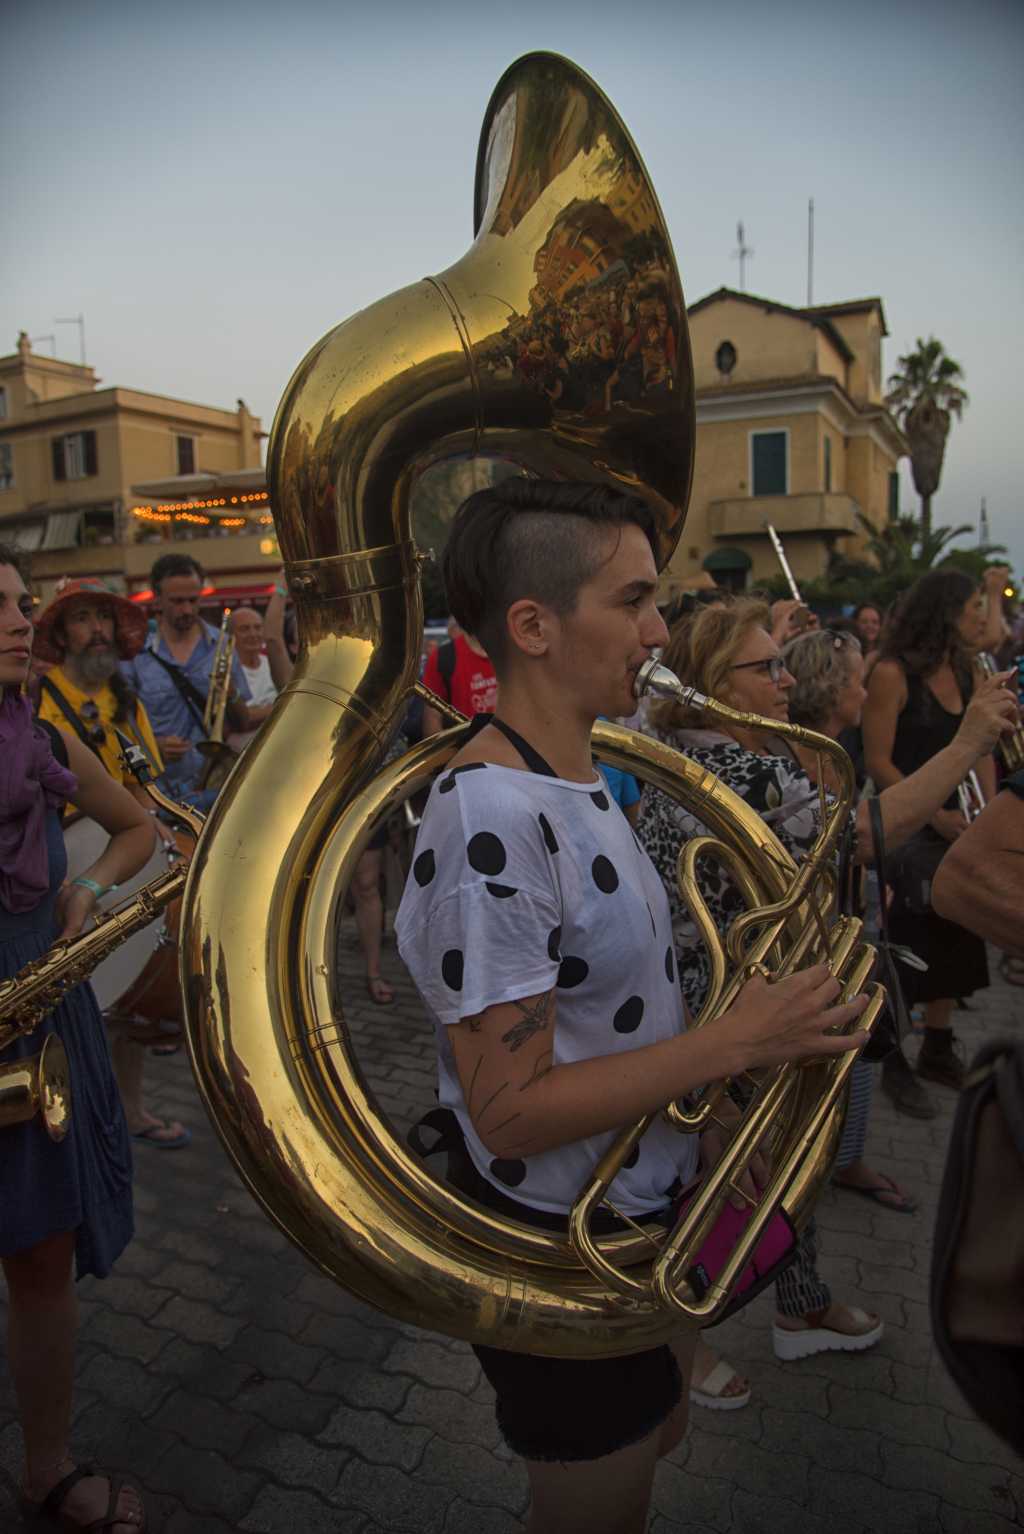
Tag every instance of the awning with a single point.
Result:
(721, 560)
(62, 530)
(226, 596)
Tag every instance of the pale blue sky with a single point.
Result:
(215, 184)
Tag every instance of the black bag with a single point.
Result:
(913, 869)
(977, 1277)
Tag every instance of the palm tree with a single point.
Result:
(924, 395)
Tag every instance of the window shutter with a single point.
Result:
(89, 444)
(58, 458)
(894, 495)
(769, 457)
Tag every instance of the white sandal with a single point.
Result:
(709, 1394)
(808, 1340)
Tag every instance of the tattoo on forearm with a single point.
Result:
(472, 1085)
(478, 1118)
(504, 1124)
(536, 1017)
(541, 1066)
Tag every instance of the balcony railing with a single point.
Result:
(811, 512)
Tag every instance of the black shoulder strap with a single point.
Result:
(446, 657)
(57, 742)
(191, 694)
(532, 758)
(878, 843)
(52, 691)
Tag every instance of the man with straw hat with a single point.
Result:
(86, 631)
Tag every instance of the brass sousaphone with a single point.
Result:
(558, 344)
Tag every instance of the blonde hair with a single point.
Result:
(819, 664)
(701, 650)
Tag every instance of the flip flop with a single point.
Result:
(50, 1512)
(877, 1195)
(709, 1394)
(150, 1135)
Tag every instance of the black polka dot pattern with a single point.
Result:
(447, 784)
(554, 939)
(549, 836)
(601, 800)
(511, 1173)
(628, 1018)
(424, 868)
(605, 877)
(500, 891)
(572, 972)
(486, 853)
(670, 964)
(452, 966)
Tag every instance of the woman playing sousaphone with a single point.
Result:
(62, 1202)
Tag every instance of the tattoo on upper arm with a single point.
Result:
(541, 1066)
(536, 1017)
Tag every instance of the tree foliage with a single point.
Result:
(925, 393)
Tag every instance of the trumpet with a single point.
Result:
(220, 757)
(1011, 747)
(40, 1083)
(970, 797)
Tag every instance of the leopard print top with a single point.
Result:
(776, 786)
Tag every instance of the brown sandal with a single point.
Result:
(50, 1513)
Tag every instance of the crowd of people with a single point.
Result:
(566, 1014)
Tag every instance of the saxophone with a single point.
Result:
(40, 1083)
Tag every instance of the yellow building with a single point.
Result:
(792, 430)
(78, 464)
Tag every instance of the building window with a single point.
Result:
(828, 465)
(769, 469)
(74, 456)
(894, 495)
(186, 454)
(6, 466)
(3, 404)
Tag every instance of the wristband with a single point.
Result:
(90, 884)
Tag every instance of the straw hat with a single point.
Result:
(130, 624)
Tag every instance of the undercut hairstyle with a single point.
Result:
(819, 664)
(701, 650)
(543, 539)
(15, 558)
(170, 565)
(922, 632)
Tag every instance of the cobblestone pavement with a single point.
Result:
(247, 1392)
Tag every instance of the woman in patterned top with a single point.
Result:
(728, 653)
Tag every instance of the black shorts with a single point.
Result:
(569, 1409)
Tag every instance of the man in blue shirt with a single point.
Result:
(182, 643)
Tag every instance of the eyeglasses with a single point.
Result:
(94, 729)
(774, 666)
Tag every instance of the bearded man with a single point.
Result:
(86, 632)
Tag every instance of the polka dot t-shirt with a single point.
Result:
(521, 883)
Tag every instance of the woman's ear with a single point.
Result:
(527, 625)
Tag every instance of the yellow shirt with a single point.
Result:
(138, 728)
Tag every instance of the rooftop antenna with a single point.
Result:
(32, 340)
(810, 252)
(79, 320)
(983, 529)
(744, 250)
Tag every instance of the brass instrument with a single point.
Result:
(1011, 747)
(220, 757)
(970, 797)
(501, 356)
(39, 1083)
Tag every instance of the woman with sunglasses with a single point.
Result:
(728, 653)
(63, 1204)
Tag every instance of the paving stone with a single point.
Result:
(178, 1519)
(477, 1474)
(204, 1423)
(982, 1489)
(125, 1336)
(765, 1514)
(686, 1498)
(282, 1510)
(198, 1321)
(393, 1499)
(471, 1518)
(822, 1442)
(134, 1296)
(276, 1356)
(435, 1365)
(287, 1406)
(205, 1482)
(360, 1386)
(979, 1445)
(124, 1384)
(465, 1420)
(886, 1254)
(293, 1459)
(957, 1520)
(375, 1438)
(838, 1494)
(203, 1369)
(876, 1280)
(894, 1420)
(343, 1336)
(196, 1281)
(779, 1472)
